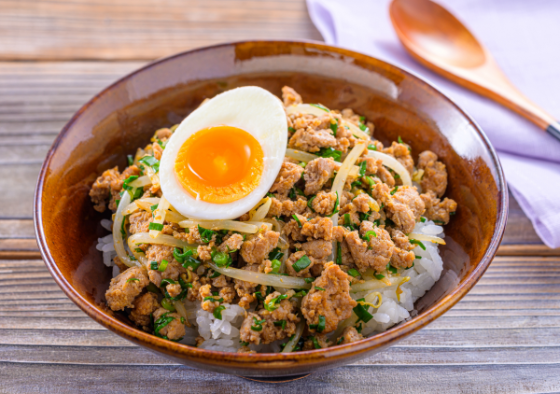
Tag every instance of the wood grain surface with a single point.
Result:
(503, 337)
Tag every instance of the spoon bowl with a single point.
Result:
(439, 41)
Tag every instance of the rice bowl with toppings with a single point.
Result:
(336, 245)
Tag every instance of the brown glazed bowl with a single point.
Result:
(124, 116)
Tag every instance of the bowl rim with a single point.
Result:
(278, 361)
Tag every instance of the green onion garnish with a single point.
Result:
(335, 208)
(319, 288)
(221, 259)
(391, 269)
(218, 312)
(372, 147)
(275, 265)
(310, 203)
(416, 242)
(132, 280)
(163, 265)
(394, 190)
(153, 265)
(330, 152)
(186, 258)
(155, 226)
(309, 280)
(301, 264)
(205, 234)
(362, 312)
(168, 305)
(379, 276)
(369, 234)
(315, 343)
(297, 220)
(363, 166)
(321, 324)
(422, 219)
(275, 254)
(353, 272)
(280, 323)
(339, 253)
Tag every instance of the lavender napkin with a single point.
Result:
(524, 37)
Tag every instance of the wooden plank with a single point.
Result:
(142, 29)
(72, 378)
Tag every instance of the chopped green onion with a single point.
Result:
(353, 272)
(167, 305)
(275, 265)
(258, 324)
(416, 242)
(163, 265)
(301, 264)
(339, 253)
(309, 280)
(369, 234)
(310, 203)
(150, 161)
(155, 226)
(372, 147)
(394, 190)
(131, 178)
(334, 127)
(319, 288)
(132, 280)
(335, 208)
(417, 257)
(315, 343)
(152, 288)
(379, 276)
(160, 323)
(271, 305)
(130, 160)
(275, 254)
(422, 219)
(205, 234)
(244, 343)
(321, 324)
(291, 130)
(270, 195)
(167, 281)
(153, 207)
(154, 265)
(330, 152)
(280, 323)
(391, 269)
(183, 320)
(138, 250)
(297, 220)
(186, 258)
(301, 293)
(363, 166)
(292, 193)
(221, 259)
(218, 312)
(400, 140)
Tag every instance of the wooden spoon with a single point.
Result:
(438, 40)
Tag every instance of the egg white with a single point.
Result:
(249, 108)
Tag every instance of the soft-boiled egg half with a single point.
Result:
(224, 157)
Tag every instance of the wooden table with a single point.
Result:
(504, 337)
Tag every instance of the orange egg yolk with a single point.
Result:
(220, 164)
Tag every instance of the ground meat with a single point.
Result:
(409, 195)
(258, 246)
(124, 288)
(318, 249)
(435, 173)
(231, 243)
(381, 193)
(284, 311)
(402, 256)
(163, 134)
(290, 96)
(324, 203)
(304, 273)
(372, 164)
(318, 228)
(159, 253)
(246, 290)
(139, 222)
(204, 252)
(191, 235)
(174, 329)
(363, 203)
(339, 233)
(312, 139)
(204, 292)
(158, 150)
(386, 177)
(317, 173)
(227, 293)
(346, 256)
(334, 302)
(375, 253)
(405, 208)
(349, 335)
(144, 306)
(437, 210)
(402, 154)
(349, 215)
(289, 174)
(283, 206)
(293, 230)
(322, 341)
(174, 290)
(102, 188)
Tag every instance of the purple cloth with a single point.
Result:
(524, 37)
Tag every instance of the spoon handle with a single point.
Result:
(489, 81)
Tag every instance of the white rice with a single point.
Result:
(223, 335)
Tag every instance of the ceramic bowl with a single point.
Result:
(124, 116)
